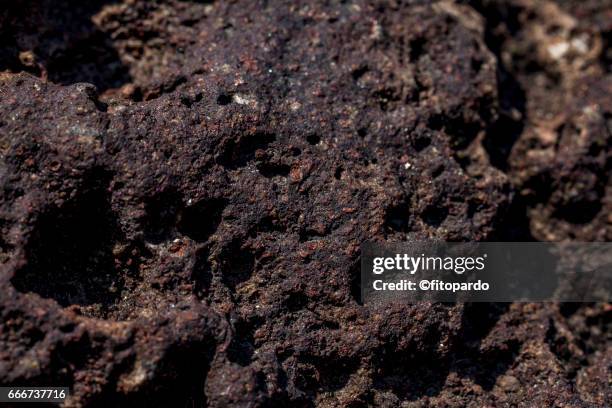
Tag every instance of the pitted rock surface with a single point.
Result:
(185, 187)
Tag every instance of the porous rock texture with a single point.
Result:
(185, 186)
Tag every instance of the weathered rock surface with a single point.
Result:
(187, 233)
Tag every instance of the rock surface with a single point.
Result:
(185, 186)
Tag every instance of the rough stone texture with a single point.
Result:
(186, 232)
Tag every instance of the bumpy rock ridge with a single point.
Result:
(190, 229)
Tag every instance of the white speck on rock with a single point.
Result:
(78, 130)
(295, 105)
(581, 44)
(245, 100)
(558, 50)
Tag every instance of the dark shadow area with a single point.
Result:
(501, 136)
(239, 151)
(58, 40)
(313, 374)
(419, 378)
(590, 323)
(470, 360)
(514, 225)
(179, 380)
(269, 169)
(434, 215)
(416, 371)
(562, 347)
(237, 264)
(415, 379)
(606, 57)
(505, 131)
(70, 253)
(202, 273)
(479, 319)
(460, 132)
(485, 368)
(167, 217)
(581, 211)
(355, 280)
(241, 348)
(199, 220)
(397, 218)
(162, 210)
(5, 247)
(412, 376)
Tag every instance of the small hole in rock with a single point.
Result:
(161, 216)
(270, 170)
(437, 171)
(238, 152)
(434, 215)
(313, 139)
(417, 49)
(241, 349)
(421, 143)
(200, 220)
(224, 99)
(359, 72)
(397, 218)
